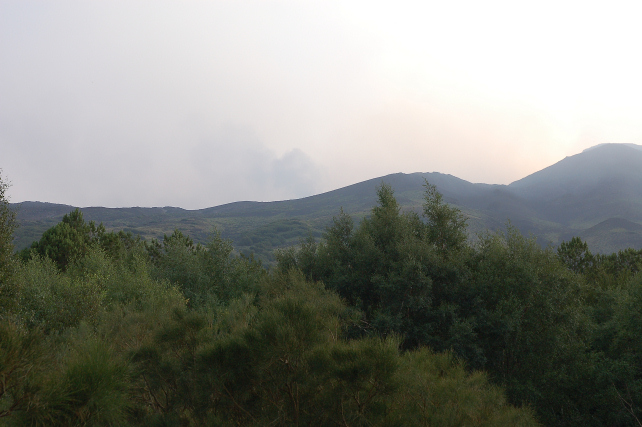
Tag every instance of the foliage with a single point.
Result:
(73, 238)
(394, 320)
(530, 324)
(51, 300)
(8, 226)
(180, 334)
(432, 381)
(21, 359)
(446, 226)
(286, 363)
(205, 274)
(541, 323)
(575, 254)
(395, 268)
(86, 384)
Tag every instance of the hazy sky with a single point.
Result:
(200, 103)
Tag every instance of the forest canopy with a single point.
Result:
(396, 320)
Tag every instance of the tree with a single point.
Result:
(390, 268)
(67, 241)
(8, 225)
(446, 224)
(279, 358)
(531, 325)
(207, 274)
(575, 254)
(72, 239)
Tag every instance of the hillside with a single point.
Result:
(595, 194)
(590, 187)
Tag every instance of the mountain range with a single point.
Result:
(596, 195)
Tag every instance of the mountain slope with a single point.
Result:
(587, 195)
(253, 226)
(590, 187)
(581, 172)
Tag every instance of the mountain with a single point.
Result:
(596, 194)
(590, 187)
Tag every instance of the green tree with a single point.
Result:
(617, 340)
(280, 358)
(393, 268)
(67, 241)
(72, 239)
(446, 224)
(22, 357)
(575, 254)
(8, 225)
(531, 324)
(207, 275)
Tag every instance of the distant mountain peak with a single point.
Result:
(589, 184)
(612, 144)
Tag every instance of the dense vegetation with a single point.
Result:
(397, 321)
(559, 330)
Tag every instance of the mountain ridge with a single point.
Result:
(570, 197)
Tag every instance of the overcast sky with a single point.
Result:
(200, 103)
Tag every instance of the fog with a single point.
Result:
(196, 104)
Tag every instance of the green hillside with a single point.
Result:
(569, 198)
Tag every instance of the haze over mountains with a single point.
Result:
(596, 195)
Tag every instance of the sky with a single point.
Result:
(200, 103)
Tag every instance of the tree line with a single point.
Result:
(396, 320)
